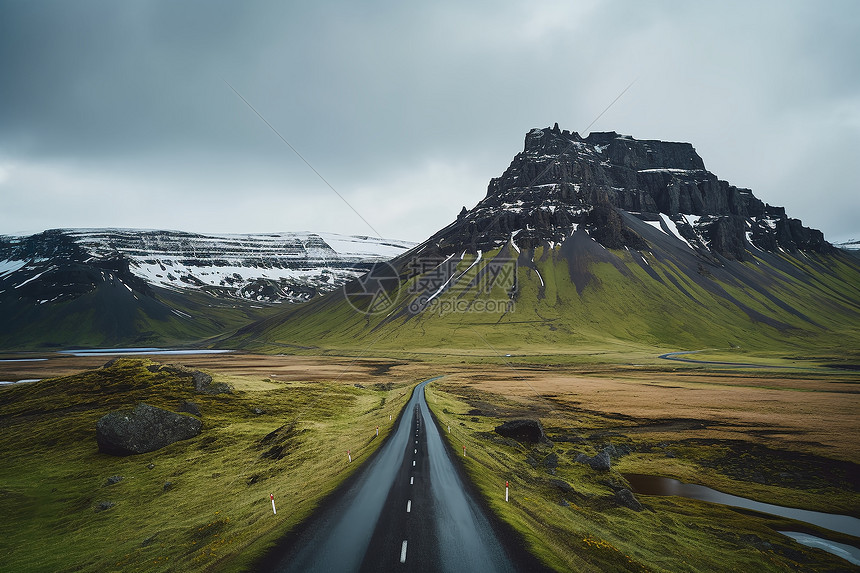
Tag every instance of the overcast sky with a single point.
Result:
(117, 114)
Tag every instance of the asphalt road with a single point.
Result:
(407, 509)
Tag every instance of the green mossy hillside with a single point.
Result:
(196, 505)
(772, 304)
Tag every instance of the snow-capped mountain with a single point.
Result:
(851, 247)
(281, 267)
(108, 287)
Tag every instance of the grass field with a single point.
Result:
(197, 505)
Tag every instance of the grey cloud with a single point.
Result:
(129, 96)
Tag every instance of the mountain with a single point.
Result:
(852, 247)
(107, 287)
(591, 240)
(552, 186)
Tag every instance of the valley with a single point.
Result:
(638, 315)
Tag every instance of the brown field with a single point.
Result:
(813, 413)
(283, 367)
(816, 415)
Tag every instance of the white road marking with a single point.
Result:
(416, 451)
(409, 506)
(403, 552)
(412, 480)
(413, 463)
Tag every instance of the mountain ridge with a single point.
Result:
(551, 186)
(108, 287)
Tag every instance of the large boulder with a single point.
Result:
(525, 430)
(143, 429)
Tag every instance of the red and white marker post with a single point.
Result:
(272, 497)
(464, 451)
(506, 491)
(349, 455)
(377, 431)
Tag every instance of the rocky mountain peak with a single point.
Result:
(615, 148)
(553, 186)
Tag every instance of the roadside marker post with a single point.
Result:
(349, 455)
(377, 431)
(449, 428)
(506, 491)
(464, 451)
(272, 497)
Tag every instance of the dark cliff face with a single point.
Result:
(555, 184)
(62, 269)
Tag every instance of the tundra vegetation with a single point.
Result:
(778, 436)
(198, 504)
(757, 435)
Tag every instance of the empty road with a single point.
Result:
(406, 510)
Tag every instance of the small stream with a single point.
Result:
(138, 351)
(658, 485)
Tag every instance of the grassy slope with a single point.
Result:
(584, 529)
(216, 513)
(112, 316)
(622, 306)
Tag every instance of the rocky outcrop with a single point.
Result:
(601, 462)
(203, 383)
(190, 408)
(625, 497)
(562, 486)
(525, 430)
(143, 429)
(561, 181)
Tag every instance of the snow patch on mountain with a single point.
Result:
(670, 224)
(275, 267)
(8, 267)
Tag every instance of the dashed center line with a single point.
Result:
(412, 480)
(413, 463)
(416, 451)
(409, 506)
(403, 552)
